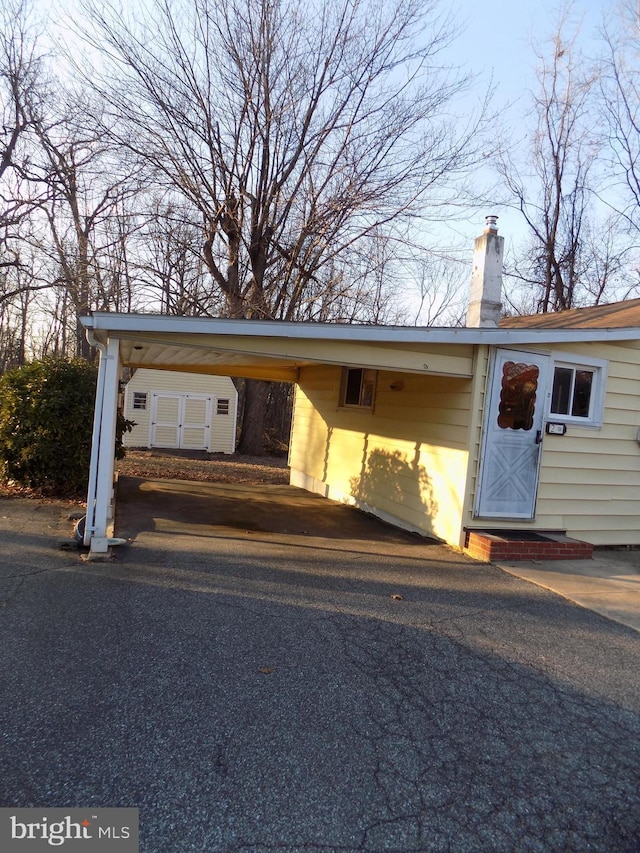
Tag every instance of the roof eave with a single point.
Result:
(107, 324)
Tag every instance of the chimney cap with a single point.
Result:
(492, 224)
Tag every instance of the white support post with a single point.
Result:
(100, 494)
(95, 441)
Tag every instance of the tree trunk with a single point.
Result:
(255, 407)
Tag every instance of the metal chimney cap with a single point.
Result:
(492, 223)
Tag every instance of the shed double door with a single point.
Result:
(180, 421)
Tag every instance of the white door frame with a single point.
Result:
(508, 454)
(180, 425)
(205, 426)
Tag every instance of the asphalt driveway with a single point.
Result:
(258, 676)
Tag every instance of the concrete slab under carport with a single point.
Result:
(271, 512)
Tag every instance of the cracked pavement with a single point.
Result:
(314, 688)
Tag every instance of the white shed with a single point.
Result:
(182, 411)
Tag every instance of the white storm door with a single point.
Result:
(195, 422)
(513, 431)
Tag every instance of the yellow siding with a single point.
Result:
(175, 382)
(590, 478)
(414, 460)
(406, 461)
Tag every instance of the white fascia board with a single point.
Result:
(112, 323)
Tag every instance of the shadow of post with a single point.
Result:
(397, 485)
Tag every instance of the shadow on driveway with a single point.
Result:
(264, 690)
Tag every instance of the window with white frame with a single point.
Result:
(358, 387)
(577, 393)
(139, 402)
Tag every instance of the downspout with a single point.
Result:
(89, 528)
(235, 418)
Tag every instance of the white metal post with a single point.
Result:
(103, 461)
(95, 441)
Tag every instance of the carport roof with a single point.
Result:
(271, 349)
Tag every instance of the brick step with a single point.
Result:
(491, 546)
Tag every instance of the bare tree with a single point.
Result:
(85, 206)
(563, 265)
(294, 131)
(20, 106)
(53, 171)
(436, 289)
(620, 112)
(22, 102)
(170, 267)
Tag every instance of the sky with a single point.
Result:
(497, 45)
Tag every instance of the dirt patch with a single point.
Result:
(201, 467)
(173, 465)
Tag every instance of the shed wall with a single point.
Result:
(405, 461)
(175, 382)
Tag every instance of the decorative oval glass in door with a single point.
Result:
(518, 395)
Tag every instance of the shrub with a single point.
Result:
(46, 419)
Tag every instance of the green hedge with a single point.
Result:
(46, 419)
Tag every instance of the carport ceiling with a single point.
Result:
(275, 350)
(199, 357)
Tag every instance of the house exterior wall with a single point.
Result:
(414, 459)
(405, 461)
(589, 481)
(223, 426)
(590, 478)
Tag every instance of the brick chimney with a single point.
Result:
(486, 277)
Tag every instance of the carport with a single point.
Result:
(451, 432)
(264, 350)
(412, 459)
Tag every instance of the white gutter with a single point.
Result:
(132, 324)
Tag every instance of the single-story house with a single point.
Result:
(528, 424)
(181, 411)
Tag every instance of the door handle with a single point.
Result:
(539, 436)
